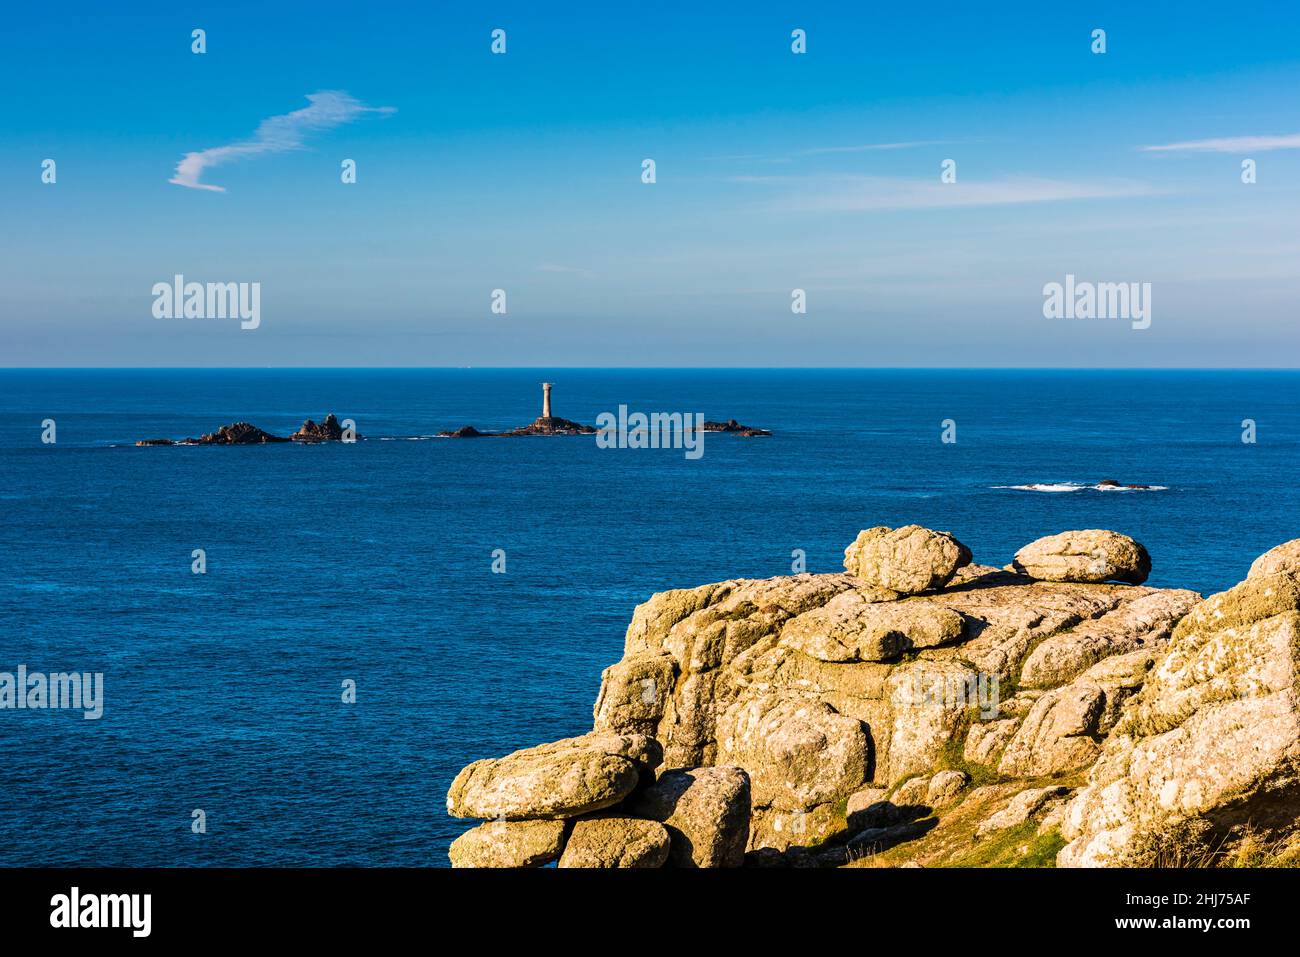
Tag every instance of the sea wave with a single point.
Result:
(1079, 487)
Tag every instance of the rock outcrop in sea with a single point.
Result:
(542, 425)
(244, 433)
(731, 425)
(921, 710)
(327, 431)
(547, 424)
(554, 425)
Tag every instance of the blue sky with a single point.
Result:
(775, 171)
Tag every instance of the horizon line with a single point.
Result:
(585, 368)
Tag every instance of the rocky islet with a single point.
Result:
(245, 433)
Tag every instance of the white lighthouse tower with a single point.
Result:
(546, 399)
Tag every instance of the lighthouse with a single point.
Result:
(546, 400)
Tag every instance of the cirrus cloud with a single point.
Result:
(276, 134)
(871, 193)
(1230, 144)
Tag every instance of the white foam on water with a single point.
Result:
(1077, 487)
(1046, 487)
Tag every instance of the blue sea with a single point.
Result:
(372, 563)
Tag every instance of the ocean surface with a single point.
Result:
(372, 562)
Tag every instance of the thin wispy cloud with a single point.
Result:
(872, 193)
(748, 158)
(828, 150)
(566, 270)
(276, 134)
(1230, 144)
(872, 147)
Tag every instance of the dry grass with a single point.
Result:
(1196, 843)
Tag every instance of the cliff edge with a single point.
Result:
(921, 710)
